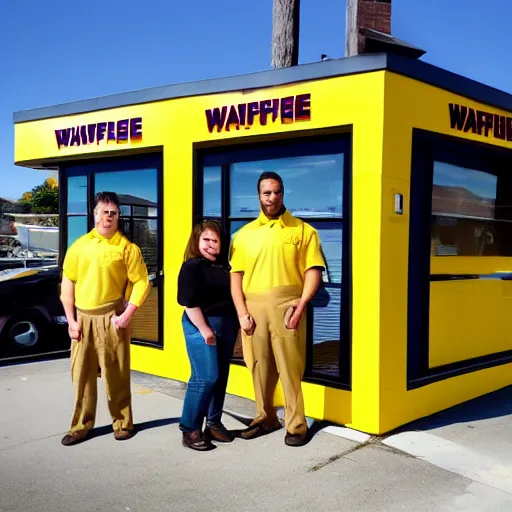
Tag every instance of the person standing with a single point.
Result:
(210, 326)
(276, 269)
(101, 271)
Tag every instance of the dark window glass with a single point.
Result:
(471, 212)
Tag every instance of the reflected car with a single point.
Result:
(32, 319)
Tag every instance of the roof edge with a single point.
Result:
(367, 63)
(449, 81)
(258, 80)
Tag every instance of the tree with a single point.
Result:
(43, 198)
(285, 33)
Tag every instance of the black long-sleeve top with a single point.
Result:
(205, 284)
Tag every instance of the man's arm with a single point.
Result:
(237, 293)
(67, 297)
(312, 281)
(138, 276)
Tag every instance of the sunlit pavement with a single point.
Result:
(153, 472)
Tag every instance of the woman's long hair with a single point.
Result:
(192, 250)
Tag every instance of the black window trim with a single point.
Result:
(304, 143)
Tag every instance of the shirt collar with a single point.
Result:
(112, 240)
(283, 219)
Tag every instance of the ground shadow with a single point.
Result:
(139, 427)
(493, 405)
(7, 360)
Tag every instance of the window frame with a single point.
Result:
(90, 168)
(428, 147)
(304, 144)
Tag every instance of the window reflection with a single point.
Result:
(313, 185)
(77, 226)
(327, 302)
(134, 188)
(145, 236)
(471, 214)
(212, 191)
(77, 194)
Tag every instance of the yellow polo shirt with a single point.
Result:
(105, 270)
(275, 252)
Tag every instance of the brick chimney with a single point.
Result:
(368, 30)
(362, 15)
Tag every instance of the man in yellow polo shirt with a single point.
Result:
(276, 269)
(102, 270)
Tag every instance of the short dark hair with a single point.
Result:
(106, 197)
(270, 175)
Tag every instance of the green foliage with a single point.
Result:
(43, 198)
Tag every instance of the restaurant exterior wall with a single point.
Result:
(445, 321)
(351, 104)
(429, 252)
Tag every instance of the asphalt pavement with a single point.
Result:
(459, 460)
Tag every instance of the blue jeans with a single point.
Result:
(206, 388)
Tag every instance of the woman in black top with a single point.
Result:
(210, 326)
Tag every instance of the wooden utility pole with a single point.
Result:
(285, 33)
(352, 29)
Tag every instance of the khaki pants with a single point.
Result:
(273, 352)
(101, 346)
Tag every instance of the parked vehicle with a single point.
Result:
(32, 319)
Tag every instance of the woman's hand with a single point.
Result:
(247, 324)
(209, 336)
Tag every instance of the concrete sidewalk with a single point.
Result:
(153, 472)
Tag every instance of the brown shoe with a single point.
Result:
(295, 439)
(196, 441)
(258, 430)
(219, 433)
(123, 434)
(76, 437)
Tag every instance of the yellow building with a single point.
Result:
(401, 166)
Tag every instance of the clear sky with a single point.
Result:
(54, 52)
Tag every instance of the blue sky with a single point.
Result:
(54, 52)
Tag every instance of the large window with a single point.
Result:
(471, 211)
(460, 224)
(315, 177)
(137, 184)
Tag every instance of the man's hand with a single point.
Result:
(294, 315)
(209, 336)
(121, 321)
(74, 331)
(247, 324)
